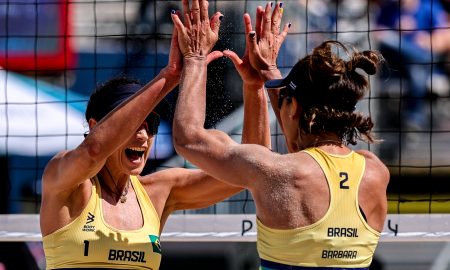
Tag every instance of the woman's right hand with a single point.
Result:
(175, 64)
(266, 40)
(198, 34)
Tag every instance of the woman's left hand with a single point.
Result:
(266, 41)
(248, 74)
(198, 35)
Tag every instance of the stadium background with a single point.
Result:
(54, 52)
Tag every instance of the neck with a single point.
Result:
(329, 140)
(117, 187)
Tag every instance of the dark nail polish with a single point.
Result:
(173, 11)
(289, 25)
(271, 4)
(281, 4)
(252, 34)
(221, 17)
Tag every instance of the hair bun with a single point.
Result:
(367, 61)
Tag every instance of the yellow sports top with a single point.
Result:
(88, 242)
(342, 238)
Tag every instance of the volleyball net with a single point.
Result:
(54, 52)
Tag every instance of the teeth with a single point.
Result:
(141, 149)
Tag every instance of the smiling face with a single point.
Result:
(131, 157)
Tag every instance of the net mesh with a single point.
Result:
(54, 52)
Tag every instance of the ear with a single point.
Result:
(92, 122)
(295, 109)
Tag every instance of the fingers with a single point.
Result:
(276, 18)
(213, 56)
(215, 22)
(185, 6)
(195, 12)
(248, 29)
(247, 23)
(237, 61)
(267, 21)
(178, 24)
(285, 32)
(186, 13)
(252, 44)
(204, 10)
(175, 32)
(258, 23)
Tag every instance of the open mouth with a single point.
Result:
(135, 153)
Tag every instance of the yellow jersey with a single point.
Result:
(88, 242)
(341, 238)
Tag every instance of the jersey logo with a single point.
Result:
(87, 227)
(156, 245)
(90, 218)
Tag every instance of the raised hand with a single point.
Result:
(248, 74)
(266, 41)
(198, 35)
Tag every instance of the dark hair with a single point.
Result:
(330, 87)
(109, 95)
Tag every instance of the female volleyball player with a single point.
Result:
(97, 211)
(322, 205)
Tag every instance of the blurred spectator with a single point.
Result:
(413, 36)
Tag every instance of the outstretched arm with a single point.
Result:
(194, 188)
(70, 168)
(211, 150)
(256, 128)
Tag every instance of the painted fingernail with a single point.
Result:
(271, 4)
(281, 4)
(252, 34)
(220, 17)
(173, 11)
(289, 25)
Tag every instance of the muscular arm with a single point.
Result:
(211, 150)
(196, 189)
(193, 189)
(256, 128)
(68, 169)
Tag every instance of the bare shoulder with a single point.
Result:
(53, 163)
(53, 176)
(375, 167)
